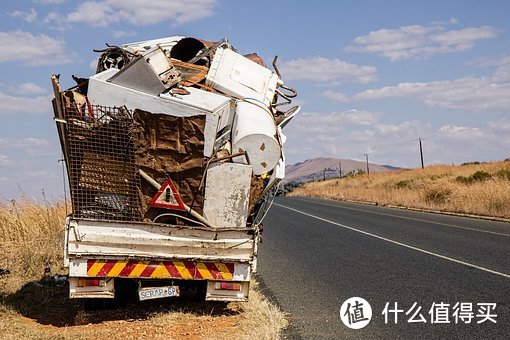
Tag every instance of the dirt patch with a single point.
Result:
(42, 309)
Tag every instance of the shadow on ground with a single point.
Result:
(47, 303)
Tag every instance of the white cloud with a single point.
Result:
(55, 21)
(33, 50)
(41, 174)
(502, 73)
(347, 134)
(27, 88)
(139, 12)
(29, 164)
(26, 105)
(342, 120)
(464, 37)
(29, 17)
(5, 161)
(500, 125)
(419, 41)
(358, 117)
(24, 143)
(461, 132)
(470, 93)
(122, 34)
(30, 146)
(487, 93)
(332, 134)
(456, 143)
(325, 70)
(406, 130)
(441, 23)
(93, 64)
(49, 2)
(336, 96)
(350, 134)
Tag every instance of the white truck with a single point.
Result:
(173, 150)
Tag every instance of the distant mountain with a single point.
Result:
(320, 168)
(391, 167)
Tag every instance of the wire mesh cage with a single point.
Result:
(103, 176)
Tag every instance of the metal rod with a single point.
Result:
(207, 51)
(214, 160)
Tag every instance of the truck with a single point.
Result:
(173, 152)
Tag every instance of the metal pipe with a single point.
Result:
(214, 160)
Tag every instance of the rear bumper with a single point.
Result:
(228, 281)
(160, 269)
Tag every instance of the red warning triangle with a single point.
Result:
(167, 197)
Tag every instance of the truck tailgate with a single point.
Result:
(92, 238)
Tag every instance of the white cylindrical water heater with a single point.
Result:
(254, 132)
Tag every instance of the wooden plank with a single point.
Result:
(190, 73)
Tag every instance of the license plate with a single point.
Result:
(157, 292)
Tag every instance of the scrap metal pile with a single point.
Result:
(175, 130)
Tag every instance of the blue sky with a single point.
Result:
(372, 76)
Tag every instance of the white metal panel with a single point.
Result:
(78, 268)
(148, 44)
(236, 75)
(158, 60)
(198, 102)
(279, 169)
(148, 240)
(227, 192)
(151, 73)
(241, 272)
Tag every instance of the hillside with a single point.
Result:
(478, 189)
(318, 168)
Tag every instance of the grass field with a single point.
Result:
(478, 189)
(31, 239)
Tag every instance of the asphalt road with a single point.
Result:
(318, 253)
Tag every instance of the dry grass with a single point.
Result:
(256, 319)
(31, 237)
(478, 189)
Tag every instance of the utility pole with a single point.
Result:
(421, 154)
(368, 169)
(340, 169)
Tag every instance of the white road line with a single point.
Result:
(412, 219)
(399, 243)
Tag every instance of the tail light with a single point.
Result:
(227, 286)
(94, 282)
